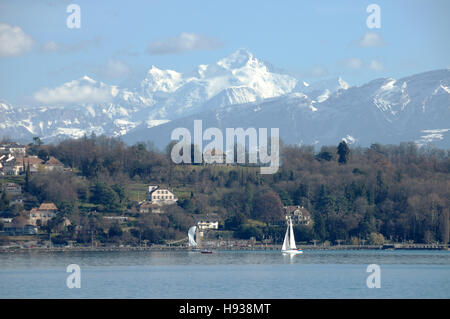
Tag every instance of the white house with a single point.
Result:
(17, 166)
(299, 215)
(44, 213)
(13, 148)
(206, 224)
(160, 196)
(12, 189)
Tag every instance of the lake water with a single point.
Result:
(226, 274)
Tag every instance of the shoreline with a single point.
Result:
(222, 248)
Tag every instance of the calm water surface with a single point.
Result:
(226, 274)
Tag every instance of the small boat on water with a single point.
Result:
(289, 246)
(193, 246)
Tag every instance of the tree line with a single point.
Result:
(357, 194)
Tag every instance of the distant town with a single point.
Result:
(96, 192)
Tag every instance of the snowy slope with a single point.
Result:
(238, 78)
(86, 105)
(241, 90)
(415, 108)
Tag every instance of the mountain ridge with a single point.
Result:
(412, 108)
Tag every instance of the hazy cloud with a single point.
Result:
(354, 63)
(13, 40)
(315, 72)
(114, 69)
(358, 64)
(53, 46)
(127, 52)
(376, 65)
(85, 90)
(184, 42)
(371, 39)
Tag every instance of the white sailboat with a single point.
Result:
(191, 236)
(289, 246)
(193, 244)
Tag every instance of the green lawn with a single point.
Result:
(12, 179)
(253, 222)
(137, 191)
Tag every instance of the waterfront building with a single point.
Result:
(208, 224)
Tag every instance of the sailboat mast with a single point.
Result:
(291, 235)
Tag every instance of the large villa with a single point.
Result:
(160, 196)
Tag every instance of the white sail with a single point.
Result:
(286, 240)
(289, 246)
(291, 236)
(191, 236)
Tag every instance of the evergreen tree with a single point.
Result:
(4, 201)
(319, 227)
(235, 221)
(324, 202)
(381, 190)
(104, 195)
(37, 141)
(115, 231)
(343, 152)
(27, 178)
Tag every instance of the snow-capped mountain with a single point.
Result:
(79, 107)
(85, 105)
(388, 111)
(321, 91)
(240, 91)
(238, 78)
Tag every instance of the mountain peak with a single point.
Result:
(237, 59)
(243, 52)
(86, 78)
(414, 108)
(342, 84)
(153, 69)
(160, 72)
(161, 80)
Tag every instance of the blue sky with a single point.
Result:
(119, 40)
